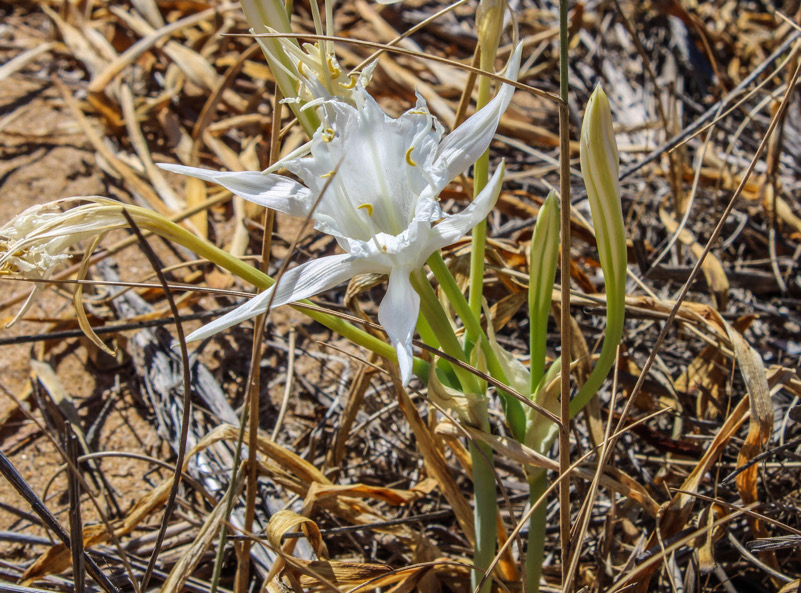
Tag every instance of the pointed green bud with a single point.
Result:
(543, 256)
(600, 168)
(489, 24)
(270, 16)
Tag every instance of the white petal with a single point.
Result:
(398, 314)
(465, 144)
(271, 191)
(296, 284)
(456, 226)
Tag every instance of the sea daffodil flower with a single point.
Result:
(379, 178)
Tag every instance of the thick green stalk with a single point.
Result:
(489, 24)
(486, 504)
(485, 513)
(535, 552)
(426, 333)
(437, 320)
(615, 313)
(515, 415)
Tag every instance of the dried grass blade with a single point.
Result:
(103, 79)
(77, 299)
(186, 566)
(77, 43)
(286, 521)
(139, 144)
(19, 62)
(675, 513)
(25, 491)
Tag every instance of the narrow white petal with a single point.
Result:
(299, 283)
(458, 225)
(465, 144)
(398, 314)
(271, 191)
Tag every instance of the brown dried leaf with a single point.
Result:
(761, 422)
(711, 266)
(706, 375)
(286, 521)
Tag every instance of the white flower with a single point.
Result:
(383, 176)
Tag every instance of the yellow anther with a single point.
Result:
(327, 175)
(418, 112)
(351, 84)
(328, 135)
(333, 68)
(409, 157)
(368, 207)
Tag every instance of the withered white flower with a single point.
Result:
(37, 241)
(383, 176)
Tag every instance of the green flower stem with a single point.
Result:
(486, 504)
(515, 416)
(426, 333)
(615, 314)
(489, 25)
(434, 314)
(169, 230)
(535, 552)
(485, 513)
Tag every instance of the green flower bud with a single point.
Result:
(543, 257)
(600, 168)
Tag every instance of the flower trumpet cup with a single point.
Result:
(372, 182)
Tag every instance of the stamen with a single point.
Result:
(351, 84)
(409, 157)
(417, 112)
(328, 135)
(327, 175)
(369, 209)
(333, 68)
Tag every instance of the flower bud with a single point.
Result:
(489, 24)
(544, 254)
(600, 168)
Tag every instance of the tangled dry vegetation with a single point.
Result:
(699, 484)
